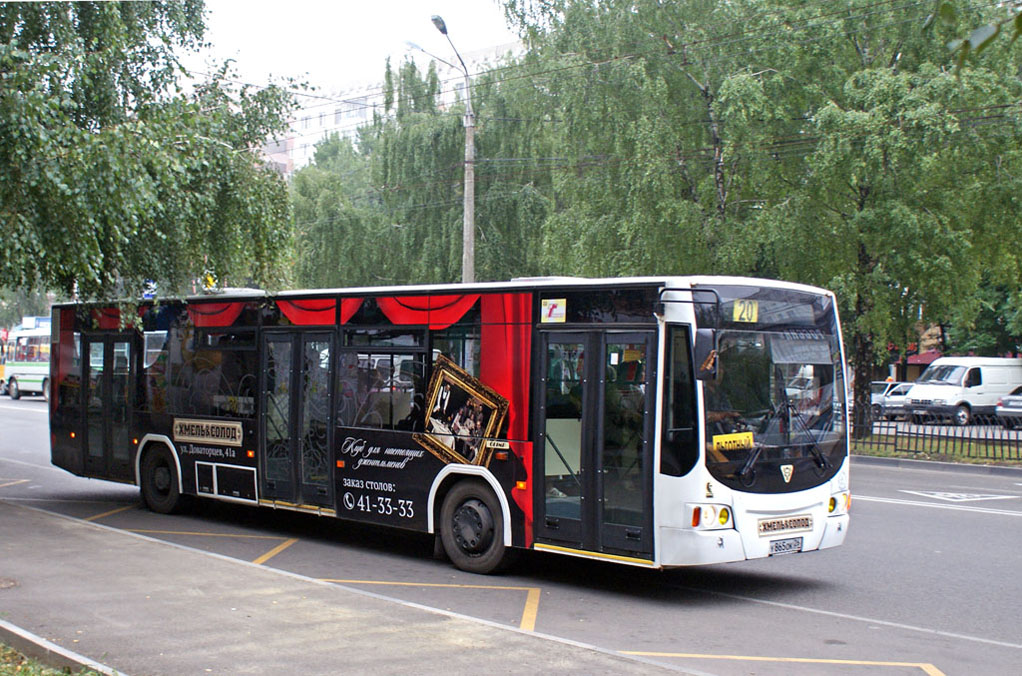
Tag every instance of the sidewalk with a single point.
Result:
(144, 607)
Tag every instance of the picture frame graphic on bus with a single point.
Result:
(462, 416)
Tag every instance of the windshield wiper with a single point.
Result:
(814, 446)
(793, 412)
(747, 468)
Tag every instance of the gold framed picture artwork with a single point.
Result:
(462, 415)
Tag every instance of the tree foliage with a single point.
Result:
(110, 174)
(834, 145)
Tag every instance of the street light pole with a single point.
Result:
(468, 235)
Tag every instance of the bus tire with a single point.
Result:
(46, 389)
(158, 480)
(13, 390)
(472, 528)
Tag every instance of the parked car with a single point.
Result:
(895, 403)
(1009, 409)
(878, 389)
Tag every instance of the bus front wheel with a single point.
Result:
(13, 390)
(472, 528)
(159, 481)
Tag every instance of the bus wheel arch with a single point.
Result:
(159, 477)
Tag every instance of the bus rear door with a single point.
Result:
(111, 371)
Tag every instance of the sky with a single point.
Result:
(337, 44)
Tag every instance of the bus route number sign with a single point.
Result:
(746, 311)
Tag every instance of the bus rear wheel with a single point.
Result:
(472, 528)
(159, 481)
(13, 390)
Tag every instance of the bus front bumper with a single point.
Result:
(688, 547)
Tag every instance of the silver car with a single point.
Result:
(895, 403)
(1009, 409)
(878, 389)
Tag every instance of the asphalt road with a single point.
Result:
(928, 581)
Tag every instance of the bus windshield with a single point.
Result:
(774, 413)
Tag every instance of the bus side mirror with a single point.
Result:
(706, 354)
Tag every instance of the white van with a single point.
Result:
(961, 388)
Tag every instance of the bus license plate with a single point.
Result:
(786, 546)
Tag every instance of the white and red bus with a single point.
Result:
(648, 421)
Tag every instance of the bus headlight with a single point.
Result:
(840, 503)
(710, 517)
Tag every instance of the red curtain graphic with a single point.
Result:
(318, 311)
(215, 315)
(438, 312)
(504, 365)
(109, 318)
(309, 312)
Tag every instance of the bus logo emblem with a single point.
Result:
(786, 472)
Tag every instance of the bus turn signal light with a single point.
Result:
(711, 517)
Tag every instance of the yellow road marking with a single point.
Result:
(929, 669)
(14, 483)
(212, 535)
(276, 550)
(528, 621)
(111, 512)
(531, 608)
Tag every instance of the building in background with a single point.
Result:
(344, 110)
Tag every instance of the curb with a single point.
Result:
(49, 653)
(936, 465)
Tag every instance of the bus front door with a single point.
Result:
(594, 458)
(111, 371)
(296, 423)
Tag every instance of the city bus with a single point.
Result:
(645, 421)
(26, 358)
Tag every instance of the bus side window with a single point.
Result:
(680, 450)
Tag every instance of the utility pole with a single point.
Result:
(468, 235)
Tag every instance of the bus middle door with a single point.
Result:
(295, 417)
(594, 457)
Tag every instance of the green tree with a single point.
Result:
(110, 174)
(18, 303)
(390, 209)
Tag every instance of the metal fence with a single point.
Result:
(984, 438)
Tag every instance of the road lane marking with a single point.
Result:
(212, 535)
(276, 550)
(30, 464)
(959, 497)
(527, 623)
(22, 409)
(929, 669)
(111, 512)
(854, 618)
(937, 505)
(14, 483)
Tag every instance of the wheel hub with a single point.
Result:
(473, 526)
(161, 478)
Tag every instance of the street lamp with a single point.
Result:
(468, 235)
